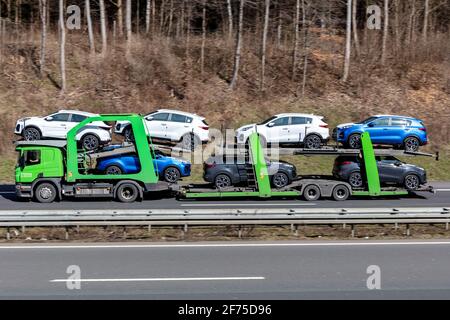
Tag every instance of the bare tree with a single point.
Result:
(147, 16)
(296, 39)
(90, 29)
(230, 19)
(202, 50)
(43, 15)
(103, 28)
(128, 25)
(237, 51)
(348, 42)
(355, 27)
(62, 46)
(305, 45)
(385, 32)
(264, 43)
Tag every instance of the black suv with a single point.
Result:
(226, 171)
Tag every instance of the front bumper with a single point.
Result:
(23, 190)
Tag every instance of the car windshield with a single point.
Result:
(267, 121)
(367, 120)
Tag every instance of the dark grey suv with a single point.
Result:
(391, 171)
(224, 171)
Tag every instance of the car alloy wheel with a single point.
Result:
(31, 134)
(412, 182)
(171, 175)
(356, 180)
(313, 142)
(222, 181)
(412, 144)
(128, 134)
(354, 141)
(280, 180)
(113, 170)
(90, 142)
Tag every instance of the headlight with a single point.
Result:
(246, 128)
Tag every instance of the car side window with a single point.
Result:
(189, 120)
(60, 117)
(77, 118)
(382, 122)
(160, 116)
(281, 122)
(178, 118)
(298, 120)
(395, 122)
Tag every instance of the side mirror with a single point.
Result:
(270, 125)
(371, 125)
(149, 118)
(397, 163)
(49, 118)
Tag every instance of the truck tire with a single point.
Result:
(341, 193)
(127, 193)
(311, 193)
(45, 193)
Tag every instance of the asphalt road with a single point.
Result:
(236, 270)
(8, 201)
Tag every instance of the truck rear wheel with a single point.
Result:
(311, 193)
(341, 193)
(127, 193)
(45, 193)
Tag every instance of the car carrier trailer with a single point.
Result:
(310, 188)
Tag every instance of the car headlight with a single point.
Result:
(246, 128)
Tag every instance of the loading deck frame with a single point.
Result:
(264, 190)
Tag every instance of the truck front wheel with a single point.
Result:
(127, 193)
(45, 193)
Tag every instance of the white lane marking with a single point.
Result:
(229, 245)
(442, 190)
(161, 279)
(247, 204)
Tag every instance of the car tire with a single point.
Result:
(127, 193)
(90, 142)
(222, 181)
(113, 170)
(355, 179)
(280, 180)
(128, 134)
(188, 139)
(171, 175)
(411, 144)
(341, 193)
(312, 141)
(354, 141)
(45, 193)
(311, 193)
(412, 182)
(31, 134)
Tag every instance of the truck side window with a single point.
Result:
(32, 157)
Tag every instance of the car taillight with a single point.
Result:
(210, 165)
(324, 125)
(423, 129)
(344, 163)
(203, 127)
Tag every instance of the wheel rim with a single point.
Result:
(311, 193)
(411, 144)
(341, 193)
(356, 180)
(113, 170)
(355, 141)
(280, 180)
(172, 175)
(46, 193)
(90, 142)
(128, 135)
(127, 193)
(411, 182)
(31, 134)
(223, 182)
(313, 142)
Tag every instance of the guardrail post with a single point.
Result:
(149, 228)
(446, 226)
(353, 230)
(396, 226)
(66, 233)
(408, 232)
(124, 232)
(240, 232)
(344, 225)
(23, 229)
(8, 235)
(78, 229)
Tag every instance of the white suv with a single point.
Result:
(289, 128)
(171, 125)
(56, 126)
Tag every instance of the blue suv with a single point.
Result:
(400, 132)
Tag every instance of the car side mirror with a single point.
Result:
(49, 118)
(149, 118)
(371, 125)
(270, 125)
(397, 163)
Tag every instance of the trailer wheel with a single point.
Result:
(341, 193)
(311, 193)
(127, 193)
(45, 193)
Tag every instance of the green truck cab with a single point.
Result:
(48, 170)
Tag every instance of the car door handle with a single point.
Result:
(62, 125)
(186, 126)
(285, 129)
(163, 124)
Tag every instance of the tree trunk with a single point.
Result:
(279, 27)
(410, 32)
(90, 29)
(355, 28)
(202, 51)
(43, 14)
(62, 46)
(348, 42)
(296, 39)
(425, 21)
(385, 32)
(128, 25)
(169, 31)
(120, 17)
(305, 47)
(147, 16)
(237, 52)
(230, 20)
(264, 44)
(103, 28)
